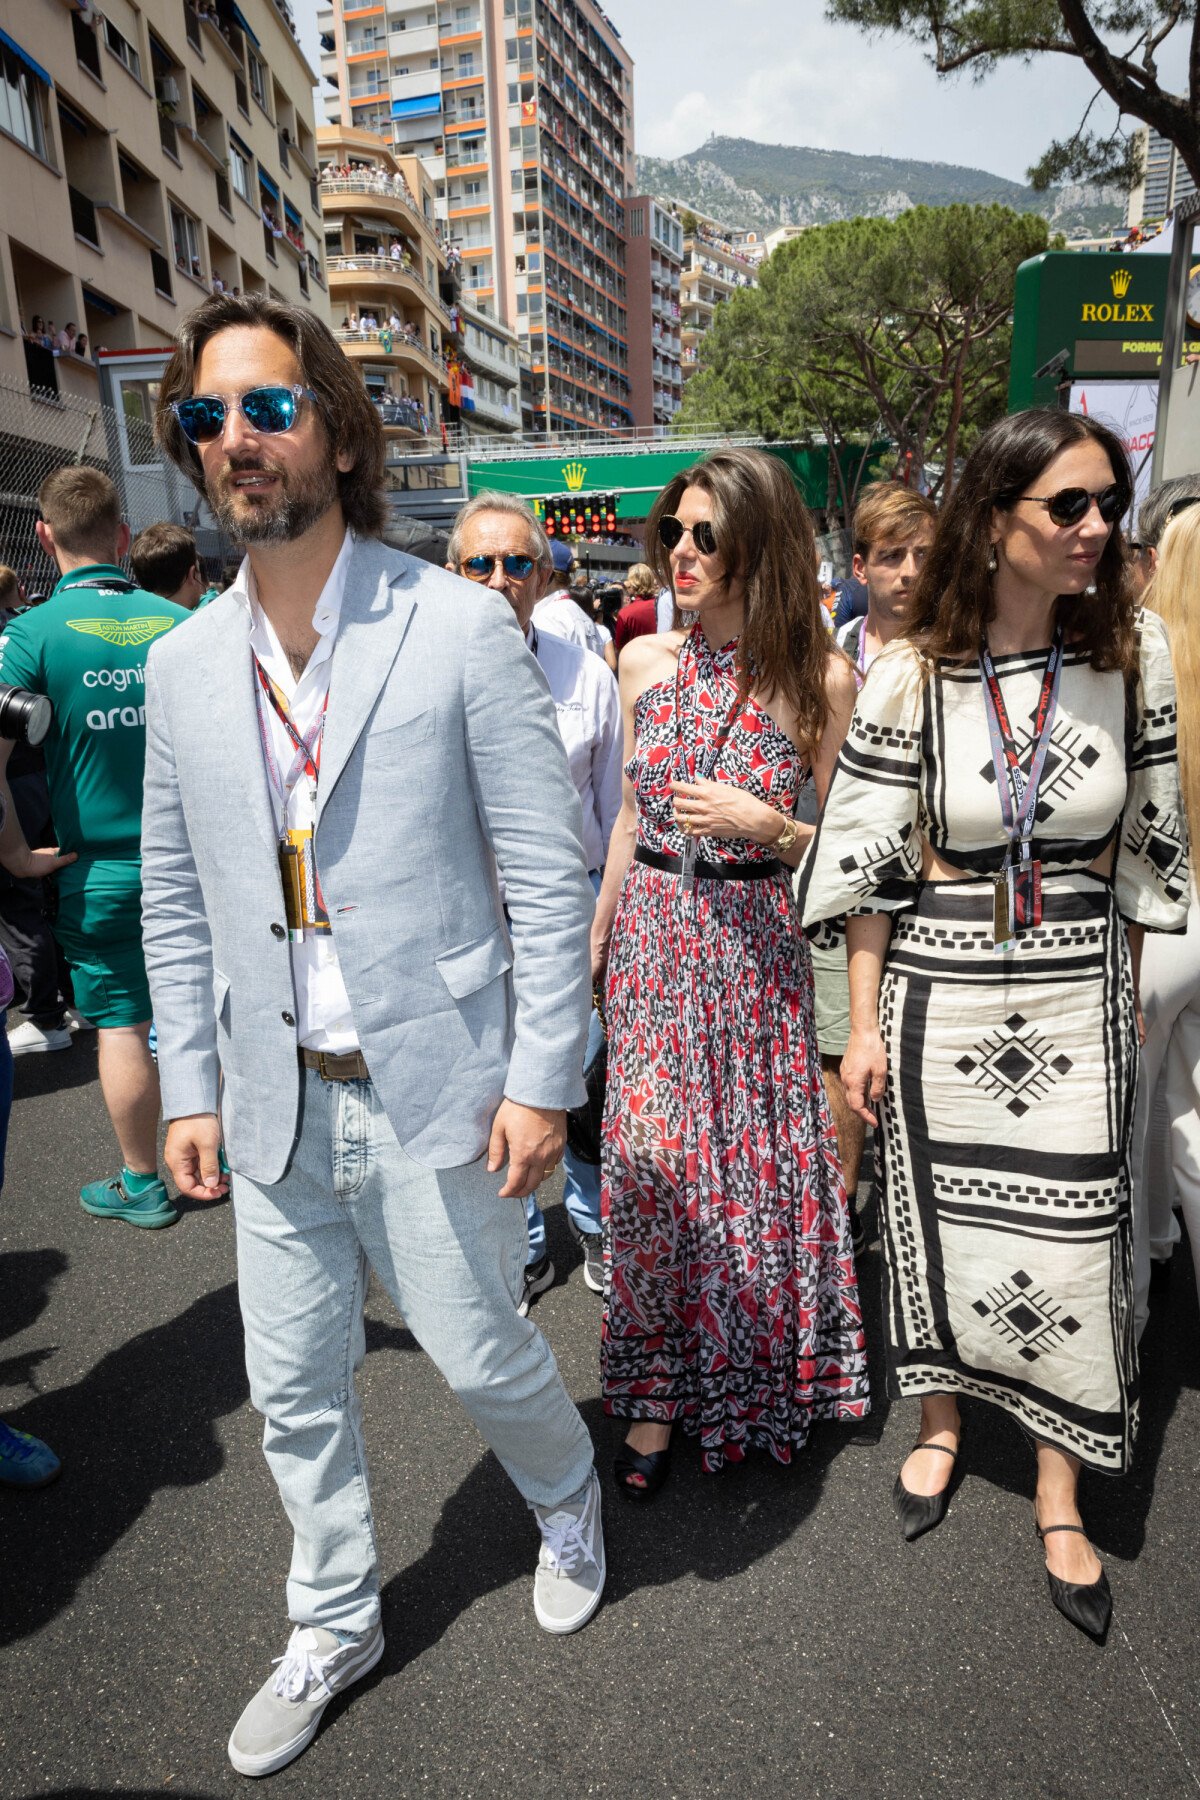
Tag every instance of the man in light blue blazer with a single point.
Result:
(343, 752)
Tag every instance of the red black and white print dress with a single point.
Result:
(731, 1303)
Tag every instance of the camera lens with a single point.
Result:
(24, 717)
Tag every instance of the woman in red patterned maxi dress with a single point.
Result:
(731, 1302)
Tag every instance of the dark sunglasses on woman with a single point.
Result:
(671, 529)
(1072, 504)
(267, 410)
(479, 568)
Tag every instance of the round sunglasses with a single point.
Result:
(671, 530)
(1071, 505)
(479, 568)
(267, 410)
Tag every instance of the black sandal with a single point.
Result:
(919, 1513)
(1087, 1604)
(653, 1470)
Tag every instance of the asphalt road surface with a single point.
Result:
(764, 1632)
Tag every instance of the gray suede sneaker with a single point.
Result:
(282, 1719)
(571, 1567)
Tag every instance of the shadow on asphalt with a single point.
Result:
(26, 1277)
(141, 1419)
(51, 1072)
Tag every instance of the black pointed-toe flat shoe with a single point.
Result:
(919, 1513)
(1088, 1605)
(653, 1469)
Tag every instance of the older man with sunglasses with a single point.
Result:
(349, 753)
(498, 541)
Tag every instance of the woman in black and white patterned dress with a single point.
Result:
(994, 917)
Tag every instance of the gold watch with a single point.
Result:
(788, 836)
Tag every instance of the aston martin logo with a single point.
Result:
(573, 475)
(123, 632)
(1120, 280)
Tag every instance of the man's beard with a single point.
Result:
(302, 498)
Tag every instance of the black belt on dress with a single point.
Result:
(709, 871)
(350, 1067)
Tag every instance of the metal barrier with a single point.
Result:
(42, 431)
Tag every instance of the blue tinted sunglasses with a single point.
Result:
(268, 410)
(479, 568)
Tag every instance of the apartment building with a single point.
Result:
(715, 265)
(1165, 180)
(653, 269)
(147, 152)
(523, 112)
(492, 357)
(385, 270)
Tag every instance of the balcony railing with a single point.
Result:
(385, 186)
(83, 216)
(387, 266)
(391, 343)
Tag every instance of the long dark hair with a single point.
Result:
(952, 600)
(351, 422)
(765, 537)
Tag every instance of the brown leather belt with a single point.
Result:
(350, 1067)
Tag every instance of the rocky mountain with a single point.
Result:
(743, 183)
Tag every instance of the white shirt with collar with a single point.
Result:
(323, 1017)
(559, 614)
(588, 707)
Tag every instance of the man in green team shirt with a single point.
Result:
(86, 649)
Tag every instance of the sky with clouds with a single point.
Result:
(777, 71)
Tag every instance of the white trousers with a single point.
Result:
(1166, 1139)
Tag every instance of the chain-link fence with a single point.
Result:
(42, 431)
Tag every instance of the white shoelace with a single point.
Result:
(301, 1672)
(564, 1545)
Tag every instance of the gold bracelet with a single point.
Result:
(788, 836)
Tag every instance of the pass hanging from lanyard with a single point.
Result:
(685, 759)
(1017, 890)
(304, 904)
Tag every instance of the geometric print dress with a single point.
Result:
(731, 1301)
(1002, 1154)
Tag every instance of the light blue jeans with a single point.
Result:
(581, 1181)
(450, 1254)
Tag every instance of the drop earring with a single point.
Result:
(992, 564)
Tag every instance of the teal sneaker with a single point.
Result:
(25, 1461)
(108, 1200)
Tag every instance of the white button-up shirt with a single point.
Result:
(559, 614)
(588, 706)
(323, 1018)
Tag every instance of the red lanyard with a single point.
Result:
(726, 730)
(308, 750)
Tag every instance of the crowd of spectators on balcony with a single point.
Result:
(270, 219)
(221, 287)
(377, 180)
(70, 341)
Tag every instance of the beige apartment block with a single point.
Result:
(148, 151)
(385, 269)
(715, 264)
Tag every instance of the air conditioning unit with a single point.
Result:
(167, 89)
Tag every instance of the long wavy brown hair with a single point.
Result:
(952, 600)
(1172, 595)
(764, 538)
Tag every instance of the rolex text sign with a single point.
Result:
(1118, 310)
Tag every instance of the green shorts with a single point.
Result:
(99, 928)
(831, 1000)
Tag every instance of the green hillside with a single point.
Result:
(763, 185)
